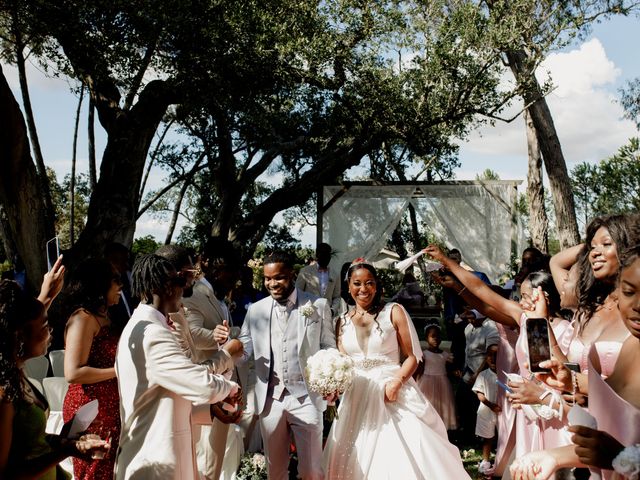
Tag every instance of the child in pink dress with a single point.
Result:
(434, 383)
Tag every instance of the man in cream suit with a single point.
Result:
(210, 326)
(319, 280)
(283, 331)
(159, 386)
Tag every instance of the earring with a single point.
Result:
(20, 349)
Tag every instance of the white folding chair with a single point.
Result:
(55, 389)
(37, 383)
(37, 367)
(56, 357)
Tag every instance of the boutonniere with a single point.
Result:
(307, 310)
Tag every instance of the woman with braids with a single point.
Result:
(387, 428)
(25, 450)
(162, 392)
(90, 353)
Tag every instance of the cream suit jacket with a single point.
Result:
(308, 281)
(159, 387)
(315, 332)
(204, 314)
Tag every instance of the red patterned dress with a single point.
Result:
(102, 355)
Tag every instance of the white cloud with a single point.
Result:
(583, 104)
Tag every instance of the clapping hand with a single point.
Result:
(221, 332)
(234, 347)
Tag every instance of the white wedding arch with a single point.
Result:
(478, 217)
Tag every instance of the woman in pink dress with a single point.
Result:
(434, 382)
(619, 393)
(535, 432)
(90, 348)
(597, 321)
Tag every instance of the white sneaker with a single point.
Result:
(485, 467)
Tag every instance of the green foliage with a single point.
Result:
(60, 196)
(630, 99)
(610, 186)
(144, 245)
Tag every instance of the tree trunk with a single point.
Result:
(91, 141)
(325, 169)
(538, 221)
(115, 201)
(20, 190)
(72, 183)
(555, 165)
(176, 210)
(41, 170)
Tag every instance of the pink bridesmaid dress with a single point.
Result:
(537, 434)
(624, 426)
(506, 361)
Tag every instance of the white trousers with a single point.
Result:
(280, 419)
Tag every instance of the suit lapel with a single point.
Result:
(215, 303)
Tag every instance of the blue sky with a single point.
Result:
(587, 76)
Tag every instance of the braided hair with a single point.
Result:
(16, 309)
(150, 275)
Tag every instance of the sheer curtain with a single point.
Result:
(475, 217)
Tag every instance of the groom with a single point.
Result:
(283, 331)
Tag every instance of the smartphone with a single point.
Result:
(504, 386)
(538, 343)
(574, 367)
(53, 252)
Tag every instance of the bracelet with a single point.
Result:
(398, 379)
(462, 290)
(574, 387)
(627, 462)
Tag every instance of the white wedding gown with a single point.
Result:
(375, 440)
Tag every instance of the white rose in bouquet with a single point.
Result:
(329, 372)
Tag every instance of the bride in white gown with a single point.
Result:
(386, 428)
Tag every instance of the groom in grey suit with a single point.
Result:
(283, 331)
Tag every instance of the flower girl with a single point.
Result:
(434, 383)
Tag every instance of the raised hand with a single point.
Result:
(436, 253)
(52, 283)
(559, 376)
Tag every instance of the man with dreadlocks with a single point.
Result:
(160, 386)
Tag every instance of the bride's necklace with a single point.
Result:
(361, 312)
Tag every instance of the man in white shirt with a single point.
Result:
(320, 280)
(159, 385)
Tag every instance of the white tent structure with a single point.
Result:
(477, 217)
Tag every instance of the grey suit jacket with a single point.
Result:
(315, 332)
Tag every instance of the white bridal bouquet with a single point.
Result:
(329, 372)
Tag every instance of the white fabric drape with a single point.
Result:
(475, 217)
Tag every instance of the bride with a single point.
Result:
(386, 427)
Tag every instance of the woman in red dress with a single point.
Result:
(90, 350)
